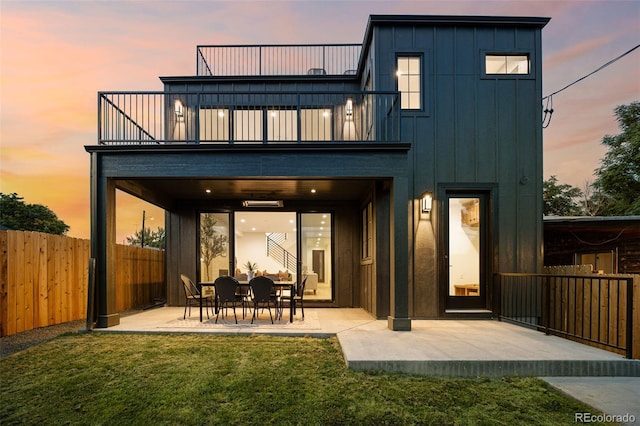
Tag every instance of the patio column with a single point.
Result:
(103, 237)
(399, 254)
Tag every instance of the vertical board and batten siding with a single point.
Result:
(43, 279)
(473, 129)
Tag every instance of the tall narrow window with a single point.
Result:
(507, 64)
(367, 232)
(409, 81)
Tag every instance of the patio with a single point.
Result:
(433, 347)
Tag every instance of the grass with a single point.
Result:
(193, 379)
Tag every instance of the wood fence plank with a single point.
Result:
(20, 284)
(4, 281)
(43, 282)
(60, 259)
(12, 241)
(67, 310)
(28, 279)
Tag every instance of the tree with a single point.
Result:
(560, 200)
(593, 200)
(17, 215)
(618, 177)
(212, 244)
(152, 239)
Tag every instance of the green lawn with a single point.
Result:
(135, 379)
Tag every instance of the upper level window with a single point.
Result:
(408, 73)
(507, 64)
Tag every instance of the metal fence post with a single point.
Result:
(630, 318)
(546, 295)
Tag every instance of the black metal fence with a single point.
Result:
(592, 309)
(277, 59)
(126, 118)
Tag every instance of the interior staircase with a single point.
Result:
(276, 251)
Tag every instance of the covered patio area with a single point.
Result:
(434, 347)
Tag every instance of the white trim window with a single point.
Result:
(409, 81)
(506, 64)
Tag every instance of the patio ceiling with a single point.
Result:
(167, 192)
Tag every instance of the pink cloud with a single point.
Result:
(575, 51)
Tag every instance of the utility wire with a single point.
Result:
(548, 111)
(593, 72)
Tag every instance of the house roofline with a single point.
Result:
(247, 148)
(589, 219)
(243, 78)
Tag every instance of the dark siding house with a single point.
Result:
(399, 174)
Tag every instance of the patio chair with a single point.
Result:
(193, 295)
(297, 299)
(244, 293)
(226, 288)
(262, 296)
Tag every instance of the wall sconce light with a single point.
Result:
(349, 109)
(179, 108)
(426, 203)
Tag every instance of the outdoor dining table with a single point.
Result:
(281, 284)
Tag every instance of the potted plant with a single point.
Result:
(251, 269)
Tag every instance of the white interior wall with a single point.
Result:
(464, 249)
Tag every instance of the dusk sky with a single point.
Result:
(56, 55)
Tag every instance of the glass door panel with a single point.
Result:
(213, 246)
(316, 255)
(464, 247)
(466, 257)
(267, 242)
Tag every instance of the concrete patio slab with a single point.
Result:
(476, 348)
(436, 347)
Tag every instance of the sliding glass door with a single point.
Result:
(214, 246)
(316, 252)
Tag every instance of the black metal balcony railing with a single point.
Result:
(281, 60)
(590, 309)
(126, 118)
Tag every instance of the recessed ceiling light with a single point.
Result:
(324, 216)
(243, 220)
(313, 191)
(208, 191)
(322, 223)
(253, 229)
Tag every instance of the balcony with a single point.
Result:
(134, 118)
(278, 60)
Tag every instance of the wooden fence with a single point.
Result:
(43, 279)
(598, 310)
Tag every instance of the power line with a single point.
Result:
(548, 110)
(593, 72)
